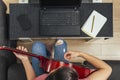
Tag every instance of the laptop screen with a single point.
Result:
(60, 2)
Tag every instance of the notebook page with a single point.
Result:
(97, 24)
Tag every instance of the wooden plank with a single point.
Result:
(111, 50)
(116, 26)
(78, 45)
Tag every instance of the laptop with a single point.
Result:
(60, 18)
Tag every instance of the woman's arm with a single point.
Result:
(104, 70)
(29, 70)
(26, 63)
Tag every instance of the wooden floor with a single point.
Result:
(104, 49)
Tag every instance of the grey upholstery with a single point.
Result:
(115, 69)
(8, 65)
(4, 26)
(3, 68)
(10, 69)
(16, 72)
(2, 23)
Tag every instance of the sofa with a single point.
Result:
(10, 69)
(8, 63)
(115, 64)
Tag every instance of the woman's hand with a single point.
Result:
(26, 63)
(20, 56)
(71, 54)
(2, 47)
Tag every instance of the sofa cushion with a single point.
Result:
(2, 23)
(115, 68)
(3, 68)
(9, 56)
(16, 72)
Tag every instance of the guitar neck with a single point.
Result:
(20, 52)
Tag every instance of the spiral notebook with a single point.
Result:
(94, 24)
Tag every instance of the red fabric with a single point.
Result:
(43, 77)
(49, 65)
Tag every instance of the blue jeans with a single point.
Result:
(39, 48)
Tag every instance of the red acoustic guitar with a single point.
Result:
(50, 64)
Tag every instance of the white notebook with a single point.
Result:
(94, 24)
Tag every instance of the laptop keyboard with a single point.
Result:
(60, 18)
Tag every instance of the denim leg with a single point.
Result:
(60, 50)
(40, 49)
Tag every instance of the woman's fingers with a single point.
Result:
(2, 46)
(71, 54)
(22, 48)
(20, 56)
(25, 50)
(67, 56)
